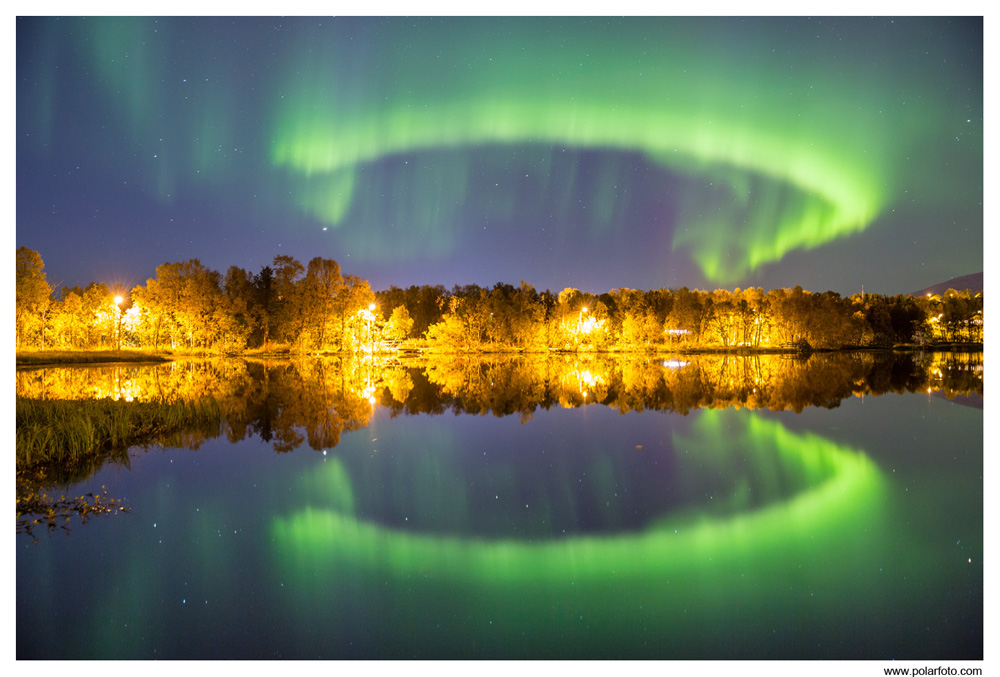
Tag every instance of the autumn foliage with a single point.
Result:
(317, 308)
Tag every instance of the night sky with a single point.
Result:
(829, 153)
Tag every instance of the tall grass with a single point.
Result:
(25, 358)
(68, 432)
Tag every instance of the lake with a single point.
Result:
(574, 507)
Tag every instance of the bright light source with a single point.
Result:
(118, 300)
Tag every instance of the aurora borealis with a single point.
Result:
(595, 153)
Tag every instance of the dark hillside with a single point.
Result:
(973, 282)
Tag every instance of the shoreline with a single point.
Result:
(42, 358)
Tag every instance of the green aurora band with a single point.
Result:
(770, 135)
(829, 197)
(804, 155)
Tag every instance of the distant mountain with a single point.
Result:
(973, 282)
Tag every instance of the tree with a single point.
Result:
(528, 319)
(180, 304)
(634, 321)
(448, 335)
(687, 316)
(237, 316)
(32, 298)
(321, 290)
(422, 303)
(399, 325)
(100, 312)
(352, 308)
(723, 320)
(288, 311)
(67, 321)
(753, 311)
(961, 315)
(263, 285)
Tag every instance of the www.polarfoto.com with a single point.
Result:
(927, 672)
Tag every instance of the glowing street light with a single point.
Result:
(118, 304)
(369, 317)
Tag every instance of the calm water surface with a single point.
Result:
(563, 509)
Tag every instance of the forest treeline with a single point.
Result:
(315, 307)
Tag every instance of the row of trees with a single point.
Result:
(312, 307)
(315, 307)
(477, 319)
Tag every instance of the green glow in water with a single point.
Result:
(839, 488)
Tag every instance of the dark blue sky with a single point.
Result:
(593, 153)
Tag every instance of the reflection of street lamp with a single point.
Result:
(118, 305)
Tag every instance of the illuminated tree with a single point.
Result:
(723, 318)
(202, 297)
(32, 293)
(180, 303)
(962, 316)
(461, 329)
(687, 316)
(424, 304)
(238, 315)
(68, 322)
(573, 320)
(322, 288)
(288, 309)
(399, 325)
(263, 287)
(527, 321)
(448, 335)
(357, 331)
(101, 313)
(633, 321)
(754, 315)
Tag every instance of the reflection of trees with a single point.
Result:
(290, 403)
(777, 382)
(310, 401)
(953, 373)
(285, 403)
(501, 385)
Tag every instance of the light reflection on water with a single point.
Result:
(548, 527)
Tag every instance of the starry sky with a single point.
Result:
(594, 153)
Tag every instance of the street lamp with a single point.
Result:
(371, 318)
(118, 305)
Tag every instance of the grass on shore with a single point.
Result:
(71, 432)
(50, 357)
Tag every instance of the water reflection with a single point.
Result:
(313, 401)
(727, 466)
(725, 531)
(786, 501)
